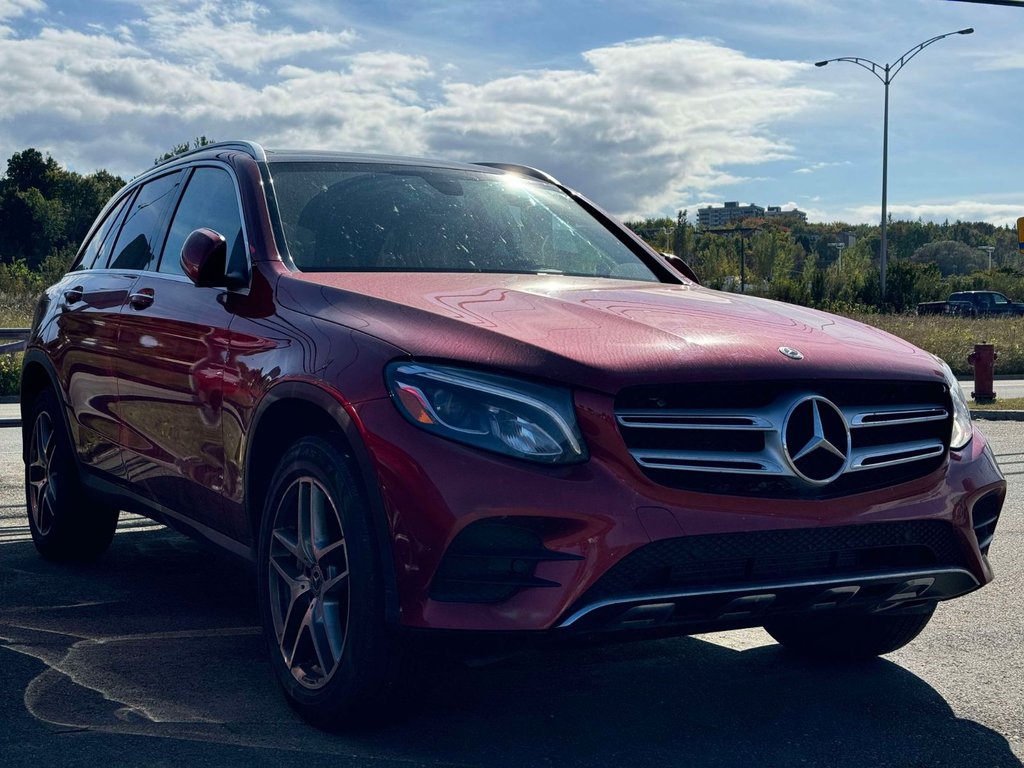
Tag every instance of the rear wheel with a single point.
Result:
(321, 590)
(66, 525)
(848, 637)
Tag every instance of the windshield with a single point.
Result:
(345, 217)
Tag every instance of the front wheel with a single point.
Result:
(321, 590)
(848, 637)
(66, 525)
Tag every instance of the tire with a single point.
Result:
(65, 523)
(321, 595)
(848, 637)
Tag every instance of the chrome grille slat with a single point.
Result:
(675, 419)
(733, 463)
(892, 416)
(919, 449)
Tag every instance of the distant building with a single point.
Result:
(712, 217)
(775, 211)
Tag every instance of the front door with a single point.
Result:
(174, 337)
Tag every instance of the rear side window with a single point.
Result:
(209, 201)
(98, 248)
(134, 248)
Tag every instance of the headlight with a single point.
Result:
(962, 429)
(505, 415)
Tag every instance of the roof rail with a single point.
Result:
(251, 148)
(523, 170)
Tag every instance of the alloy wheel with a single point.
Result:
(43, 474)
(309, 582)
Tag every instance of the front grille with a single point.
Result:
(737, 559)
(732, 437)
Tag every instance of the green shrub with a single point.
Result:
(10, 374)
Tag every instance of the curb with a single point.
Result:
(997, 415)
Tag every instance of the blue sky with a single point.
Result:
(647, 106)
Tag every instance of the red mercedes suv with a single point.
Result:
(432, 396)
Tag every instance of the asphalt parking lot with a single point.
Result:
(152, 657)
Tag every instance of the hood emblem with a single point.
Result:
(816, 440)
(792, 354)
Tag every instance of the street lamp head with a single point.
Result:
(968, 31)
(820, 63)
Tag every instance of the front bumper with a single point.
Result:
(586, 523)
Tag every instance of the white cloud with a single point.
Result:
(645, 123)
(1002, 60)
(999, 214)
(229, 36)
(12, 9)
(643, 126)
(92, 90)
(820, 165)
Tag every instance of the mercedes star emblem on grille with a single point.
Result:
(792, 354)
(816, 440)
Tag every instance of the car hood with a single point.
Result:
(600, 333)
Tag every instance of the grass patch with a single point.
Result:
(1001, 403)
(953, 338)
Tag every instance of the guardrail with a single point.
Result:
(20, 336)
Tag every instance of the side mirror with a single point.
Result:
(680, 266)
(204, 259)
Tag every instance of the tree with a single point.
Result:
(180, 149)
(951, 257)
(681, 237)
(46, 209)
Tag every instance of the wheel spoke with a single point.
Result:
(303, 630)
(321, 646)
(305, 523)
(333, 551)
(50, 496)
(335, 581)
(290, 543)
(290, 590)
(44, 516)
(317, 524)
(49, 449)
(292, 581)
(301, 605)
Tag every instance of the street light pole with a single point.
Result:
(886, 73)
(989, 249)
(883, 248)
(839, 247)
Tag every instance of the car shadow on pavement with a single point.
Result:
(159, 639)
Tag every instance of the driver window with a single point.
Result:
(209, 201)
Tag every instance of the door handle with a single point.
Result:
(73, 295)
(141, 299)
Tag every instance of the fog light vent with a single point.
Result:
(490, 561)
(984, 517)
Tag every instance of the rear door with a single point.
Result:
(175, 336)
(90, 300)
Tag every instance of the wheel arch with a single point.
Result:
(37, 374)
(295, 409)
